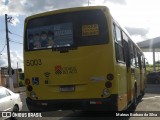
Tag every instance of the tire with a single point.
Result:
(15, 110)
(143, 92)
(156, 82)
(135, 99)
(134, 104)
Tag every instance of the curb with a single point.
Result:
(19, 90)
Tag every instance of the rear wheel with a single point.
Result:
(15, 110)
(134, 104)
(156, 82)
(143, 92)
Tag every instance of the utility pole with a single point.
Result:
(17, 74)
(8, 52)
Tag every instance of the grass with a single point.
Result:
(149, 68)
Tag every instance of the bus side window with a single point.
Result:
(142, 62)
(132, 53)
(118, 35)
(126, 49)
(136, 57)
(139, 61)
(118, 43)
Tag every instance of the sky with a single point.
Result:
(139, 17)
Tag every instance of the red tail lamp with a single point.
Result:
(27, 81)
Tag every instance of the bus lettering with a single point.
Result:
(89, 30)
(65, 70)
(35, 62)
(63, 32)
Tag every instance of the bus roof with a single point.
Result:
(80, 9)
(68, 10)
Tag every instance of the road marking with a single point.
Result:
(151, 97)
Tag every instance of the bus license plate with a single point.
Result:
(67, 88)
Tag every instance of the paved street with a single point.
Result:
(150, 102)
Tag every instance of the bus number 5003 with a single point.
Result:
(34, 62)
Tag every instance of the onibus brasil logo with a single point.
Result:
(59, 69)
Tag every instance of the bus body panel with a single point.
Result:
(86, 68)
(122, 85)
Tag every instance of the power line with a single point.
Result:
(15, 42)
(15, 34)
(3, 48)
(12, 42)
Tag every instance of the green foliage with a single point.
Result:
(21, 83)
(149, 68)
(157, 62)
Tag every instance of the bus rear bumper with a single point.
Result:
(108, 104)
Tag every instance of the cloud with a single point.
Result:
(28, 7)
(137, 31)
(138, 38)
(6, 2)
(138, 34)
(15, 21)
(3, 61)
(115, 1)
(15, 57)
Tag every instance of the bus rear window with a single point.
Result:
(82, 28)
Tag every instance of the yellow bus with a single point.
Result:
(80, 59)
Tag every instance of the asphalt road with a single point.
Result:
(149, 104)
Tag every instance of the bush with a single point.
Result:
(21, 83)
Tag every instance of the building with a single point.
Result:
(151, 45)
(4, 77)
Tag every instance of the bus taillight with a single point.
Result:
(108, 84)
(27, 81)
(110, 77)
